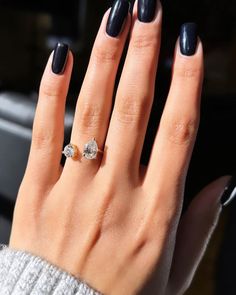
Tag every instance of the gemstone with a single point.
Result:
(90, 150)
(69, 151)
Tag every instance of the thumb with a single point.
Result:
(195, 230)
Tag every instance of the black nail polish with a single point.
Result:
(188, 39)
(118, 14)
(146, 10)
(229, 193)
(60, 58)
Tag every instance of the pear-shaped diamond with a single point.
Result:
(90, 150)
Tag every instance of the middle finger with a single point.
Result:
(136, 88)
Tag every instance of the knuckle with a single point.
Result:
(104, 54)
(42, 139)
(89, 117)
(188, 71)
(131, 111)
(181, 131)
(51, 89)
(144, 42)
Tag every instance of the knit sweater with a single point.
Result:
(22, 273)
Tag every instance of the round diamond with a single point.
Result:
(69, 151)
(90, 150)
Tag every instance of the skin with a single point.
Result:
(110, 221)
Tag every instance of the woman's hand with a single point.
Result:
(111, 221)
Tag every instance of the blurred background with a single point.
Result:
(29, 32)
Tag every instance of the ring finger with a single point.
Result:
(95, 100)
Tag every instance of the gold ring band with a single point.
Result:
(90, 151)
(71, 151)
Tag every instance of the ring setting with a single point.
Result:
(91, 150)
(71, 151)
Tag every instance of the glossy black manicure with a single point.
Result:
(118, 14)
(188, 39)
(146, 10)
(60, 58)
(229, 192)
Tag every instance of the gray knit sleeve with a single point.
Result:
(22, 273)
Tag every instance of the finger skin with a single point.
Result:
(95, 99)
(194, 232)
(135, 94)
(178, 127)
(48, 127)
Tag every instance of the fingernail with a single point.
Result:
(116, 19)
(229, 192)
(60, 58)
(146, 10)
(188, 39)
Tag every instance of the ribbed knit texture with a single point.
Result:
(22, 273)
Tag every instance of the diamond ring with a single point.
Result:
(71, 151)
(91, 150)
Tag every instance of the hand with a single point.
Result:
(111, 221)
